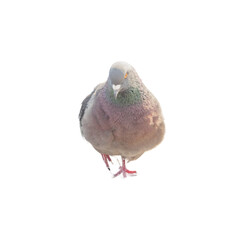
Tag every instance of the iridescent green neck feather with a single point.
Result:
(126, 98)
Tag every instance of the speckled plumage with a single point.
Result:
(127, 125)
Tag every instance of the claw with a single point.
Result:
(106, 158)
(124, 170)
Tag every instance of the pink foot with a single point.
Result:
(124, 170)
(106, 158)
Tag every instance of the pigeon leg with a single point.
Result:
(106, 158)
(124, 170)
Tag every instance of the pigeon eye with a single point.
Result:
(125, 76)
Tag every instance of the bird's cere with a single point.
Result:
(116, 89)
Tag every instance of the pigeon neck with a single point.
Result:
(127, 97)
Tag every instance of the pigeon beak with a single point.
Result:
(115, 93)
(116, 89)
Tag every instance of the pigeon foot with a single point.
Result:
(124, 170)
(106, 159)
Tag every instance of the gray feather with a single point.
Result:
(84, 106)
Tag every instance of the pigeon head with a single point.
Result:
(120, 77)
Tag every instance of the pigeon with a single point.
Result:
(122, 117)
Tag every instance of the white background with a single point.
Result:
(54, 185)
